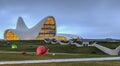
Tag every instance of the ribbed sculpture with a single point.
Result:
(45, 28)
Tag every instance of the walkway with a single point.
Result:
(59, 60)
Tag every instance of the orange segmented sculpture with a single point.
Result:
(42, 50)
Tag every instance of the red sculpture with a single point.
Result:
(24, 52)
(42, 50)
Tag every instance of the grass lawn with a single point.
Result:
(31, 46)
(86, 63)
(56, 48)
(111, 45)
(77, 52)
(13, 56)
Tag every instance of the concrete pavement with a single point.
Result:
(59, 60)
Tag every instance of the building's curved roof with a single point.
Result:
(23, 32)
(69, 36)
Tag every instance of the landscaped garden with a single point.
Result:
(67, 51)
(111, 45)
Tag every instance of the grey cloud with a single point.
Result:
(85, 16)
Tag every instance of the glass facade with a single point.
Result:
(9, 35)
(48, 29)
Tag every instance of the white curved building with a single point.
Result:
(46, 28)
(69, 36)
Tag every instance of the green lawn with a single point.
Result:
(33, 56)
(111, 45)
(77, 52)
(32, 45)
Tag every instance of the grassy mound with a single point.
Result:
(111, 45)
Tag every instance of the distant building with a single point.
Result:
(106, 40)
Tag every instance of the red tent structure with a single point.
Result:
(42, 50)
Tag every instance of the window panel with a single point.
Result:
(10, 36)
(47, 29)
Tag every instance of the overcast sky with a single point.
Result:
(85, 18)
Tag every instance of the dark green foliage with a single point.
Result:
(65, 41)
(79, 42)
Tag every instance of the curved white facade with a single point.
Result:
(69, 36)
(46, 28)
(24, 33)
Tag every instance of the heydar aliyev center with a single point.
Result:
(46, 28)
